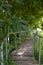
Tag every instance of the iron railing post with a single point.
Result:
(33, 43)
(2, 58)
(6, 49)
(39, 49)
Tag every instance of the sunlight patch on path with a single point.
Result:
(22, 51)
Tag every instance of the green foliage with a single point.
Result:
(29, 10)
(9, 61)
(17, 15)
(16, 41)
(13, 13)
(8, 21)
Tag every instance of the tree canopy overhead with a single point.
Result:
(19, 14)
(30, 10)
(23, 8)
(27, 7)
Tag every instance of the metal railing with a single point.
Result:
(21, 36)
(4, 46)
(4, 51)
(38, 48)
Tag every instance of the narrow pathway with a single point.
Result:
(23, 56)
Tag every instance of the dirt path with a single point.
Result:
(23, 56)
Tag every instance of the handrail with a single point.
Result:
(6, 40)
(38, 35)
(39, 45)
(16, 32)
(12, 33)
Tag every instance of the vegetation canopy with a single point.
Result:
(18, 15)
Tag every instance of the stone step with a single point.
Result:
(25, 63)
(25, 55)
(21, 58)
